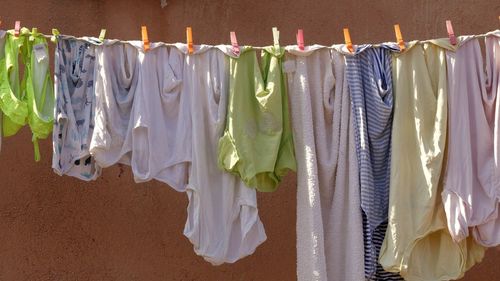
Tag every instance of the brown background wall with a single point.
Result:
(59, 228)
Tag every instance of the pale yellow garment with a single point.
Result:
(417, 242)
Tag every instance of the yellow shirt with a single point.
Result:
(417, 242)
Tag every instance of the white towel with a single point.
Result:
(329, 221)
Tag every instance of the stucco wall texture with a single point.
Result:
(59, 228)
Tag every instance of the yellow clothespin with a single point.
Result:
(399, 37)
(451, 34)
(55, 34)
(276, 37)
(189, 39)
(347, 39)
(34, 32)
(145, 39)
(102, 35)
(234, 43)
(17, 27)
(300, 39)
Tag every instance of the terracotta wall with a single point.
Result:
(59, 228)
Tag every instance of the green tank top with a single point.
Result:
(12, 102)
(30, 100)
(39, 90)
(257, 143)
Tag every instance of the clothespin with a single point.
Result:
(17, 27)
(347, 39)
(145, 40)
(55, 33)
(34, 32)
(399, 37)
(300, 39)
(189, 39)
(451, 34)
(234, 43)
(276, 37)
(102, 35)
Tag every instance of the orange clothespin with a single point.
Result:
(347, 39)
(17, 27)
(234, 43)
(399, 37)
(145, 39)
(451, 34)
(300, 39)
(189, 39)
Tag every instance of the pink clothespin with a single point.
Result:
(234, 43)
(300, 39)
(17, 27)
(451, 34)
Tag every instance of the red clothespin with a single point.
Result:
(17, 27)
(189, 39)
(300, 39)
(145, 39)
(399, 37)
(347, 39)
(451, 34)
(234, 43)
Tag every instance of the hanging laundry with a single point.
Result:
(142, 119)
(117, 72)
(223, 221)
(417, 242)
(369, 76)
(74, 113)
(12, 102)
(329, 221)
(39, 89)
(471, 191)
(161, 136)
(257, 144)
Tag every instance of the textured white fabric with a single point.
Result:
(329, 220)
(223, 221)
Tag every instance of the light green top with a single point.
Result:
(32, 99)
(257, 144)
(39, 90)
(12, 101)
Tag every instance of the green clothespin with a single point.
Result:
(34, 33)
(276, 37)
(55, 34)
(102, 35)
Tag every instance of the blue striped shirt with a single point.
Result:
(370, 87)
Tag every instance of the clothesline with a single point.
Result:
(97, 41)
